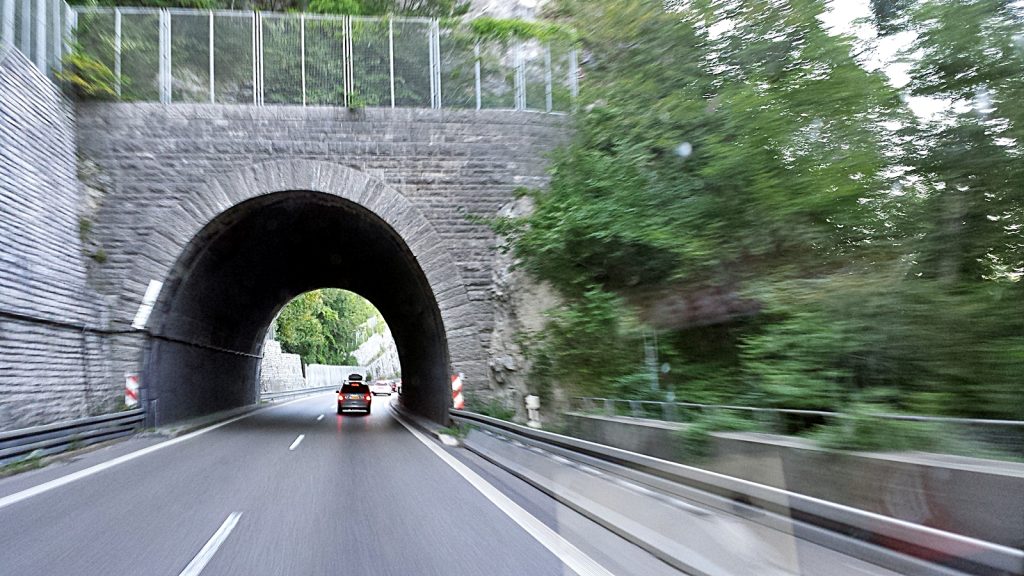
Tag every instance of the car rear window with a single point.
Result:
(354, 388)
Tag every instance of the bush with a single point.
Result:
(695, 439)
(862, 432)
(87, 76)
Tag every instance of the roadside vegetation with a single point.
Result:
(325, 326)
(748, 189)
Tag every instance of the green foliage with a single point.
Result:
(505, 29)
(87, 76)
(694, 441)
(322, 326)
(585, 347)
(492, 408)
(864, 432)
(885, 250)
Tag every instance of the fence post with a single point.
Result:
(259, 49)
(435, 64)
(7, 29)
(302, 42)
(520, 76)
(548, 104)
(56, 54)
(476, 71)
(391, 57)
(346, 54)
(26, 27)
(70, 26)
(255, 98)
(165, 57)
(574, 78)
(117, 52)
(213, 98)
(40, 36)
(609, 407)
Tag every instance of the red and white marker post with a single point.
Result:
(458, 402)
(131, 390)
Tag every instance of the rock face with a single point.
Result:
(280, 371)
(519, 305)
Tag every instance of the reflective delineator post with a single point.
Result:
(131, 390)
(533, 411)
(458, 402)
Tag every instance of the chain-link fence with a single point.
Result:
(181, 55)
(36, 28)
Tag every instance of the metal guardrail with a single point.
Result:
(953, 550)
(60, 436)
(670, 411)
(49, 439)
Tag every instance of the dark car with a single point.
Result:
(354, 396)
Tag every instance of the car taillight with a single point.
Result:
(367, 397)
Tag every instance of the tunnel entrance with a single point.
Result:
(208, 326)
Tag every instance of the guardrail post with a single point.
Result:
(609, 407)
(635, 409)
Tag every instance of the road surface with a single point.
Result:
(297, 489)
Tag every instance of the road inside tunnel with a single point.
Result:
(208, 326)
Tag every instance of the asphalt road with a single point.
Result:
(356, 495)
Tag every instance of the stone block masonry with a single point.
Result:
(444, 165)
(52, 349)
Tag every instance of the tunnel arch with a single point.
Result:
(256, 238)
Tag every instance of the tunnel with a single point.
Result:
(207, 329)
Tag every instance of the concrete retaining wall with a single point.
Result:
(972, 496)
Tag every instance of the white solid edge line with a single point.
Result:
(569, 554)
(195, 567)
(296, 443)
(58, 482)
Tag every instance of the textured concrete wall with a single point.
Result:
(970, 496)
(51, 362)
(280, 371)
(168, 164)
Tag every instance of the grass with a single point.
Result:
(30, 462)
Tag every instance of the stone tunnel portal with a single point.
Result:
(249, 261)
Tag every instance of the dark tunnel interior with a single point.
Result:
(235, 275)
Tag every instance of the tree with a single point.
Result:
(322, 326)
